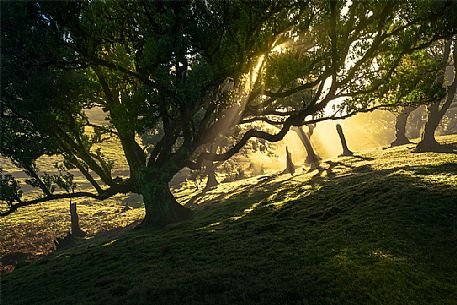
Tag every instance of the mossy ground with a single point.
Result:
(380, 228)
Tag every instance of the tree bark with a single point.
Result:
(346, 150)
(75, 229)
(312, 158)
(290, 168)
(211, 171)
(400, 127)
(161, 206)
(428, 141)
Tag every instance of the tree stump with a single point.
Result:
(75, 229)
(210, 168)
(346, 151)
(290, 168)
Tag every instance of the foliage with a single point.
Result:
(155, 65)
(415, 80)
(10, 191)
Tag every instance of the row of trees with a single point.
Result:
(194, 71)
(423, 79)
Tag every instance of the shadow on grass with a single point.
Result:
(369, 237)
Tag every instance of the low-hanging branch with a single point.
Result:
(123, 187)
(252, 133)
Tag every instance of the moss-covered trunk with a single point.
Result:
(400, 127)
(428, 141)
(160, 205)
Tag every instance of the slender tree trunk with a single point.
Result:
(436, 113)
(161, 206)
(346, 150)
(400, 127)
(290, 168)
(211, 171)
(312, 158)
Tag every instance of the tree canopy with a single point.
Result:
(192, 69)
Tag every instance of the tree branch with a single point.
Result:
(123, 187)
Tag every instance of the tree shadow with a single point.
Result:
(436, 148)
(241, 189)
(329, 169)
(318, 185)
(352, 239)
(362, 158)
(360, 228)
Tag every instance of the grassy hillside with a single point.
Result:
(380, 228)
(30, 231)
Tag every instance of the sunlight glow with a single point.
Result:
(255, 73)
(239, 98)
(280, 48)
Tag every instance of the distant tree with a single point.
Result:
(419, 80)
(400, 126)
(438, 108)
(74, 220)
(416, 122)
(210, 170)
(164, 65)
(449, 121)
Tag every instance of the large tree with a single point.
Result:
(420, 79)
(439, 105)
(165, 65)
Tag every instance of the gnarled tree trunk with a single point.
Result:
(161, 206)
(436, 111)
(400, 127)
(312, 158)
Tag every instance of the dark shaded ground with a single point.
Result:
(381, 229)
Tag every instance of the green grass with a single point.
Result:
(376, 229)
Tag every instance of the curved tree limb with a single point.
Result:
(123, 187)
(252, 133)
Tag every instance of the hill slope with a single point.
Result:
(380, 228)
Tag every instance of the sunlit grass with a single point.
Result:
(378, 228)
(32, 230)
